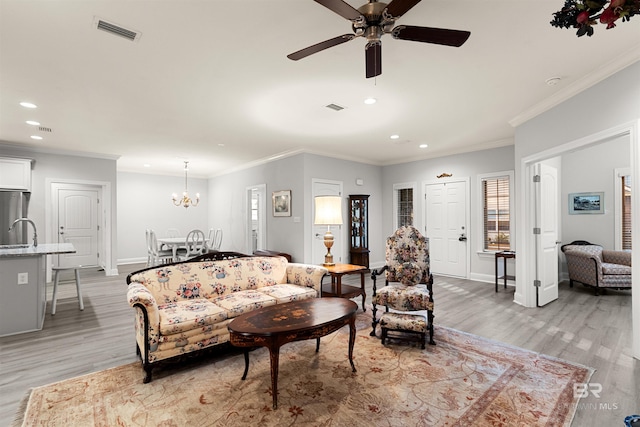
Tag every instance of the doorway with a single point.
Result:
(256, 218)
(446, 225)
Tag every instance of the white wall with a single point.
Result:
(290, 234)
(466, 165)
(592, 170)
(144, 201)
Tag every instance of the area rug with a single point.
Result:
(464, 380)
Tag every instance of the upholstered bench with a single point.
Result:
(413, 324)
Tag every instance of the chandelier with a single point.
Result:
(185, 200)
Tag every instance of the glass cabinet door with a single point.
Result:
(358, 228)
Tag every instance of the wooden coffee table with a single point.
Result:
(276, 325)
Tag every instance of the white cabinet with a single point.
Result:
(15, 174)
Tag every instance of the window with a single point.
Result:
(403, 204)
(626, 212)
(496, 217)
(405, 207)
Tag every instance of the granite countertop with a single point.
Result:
(41, 249)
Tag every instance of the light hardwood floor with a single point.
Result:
(579, 327)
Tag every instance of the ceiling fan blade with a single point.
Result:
(343, 9)
(373, 58)
(430, 35)
(397, 8)
(303, 53)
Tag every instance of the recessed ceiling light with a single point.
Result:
(423, 145)
(28, 105)
(370, 101)
(220, 144)
(36, 137)
(394, 136)
(147, 165)
(32, 123)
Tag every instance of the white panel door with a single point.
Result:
(78, 225)
(547, 240)
(446, 227)
(318, 250)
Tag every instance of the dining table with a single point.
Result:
(174, 243)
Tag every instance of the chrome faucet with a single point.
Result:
(35, 232)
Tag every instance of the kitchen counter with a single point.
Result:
(41, 249)
(23, 287)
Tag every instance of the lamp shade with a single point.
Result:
(328, 210)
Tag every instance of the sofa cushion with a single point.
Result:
(403, 297)
(287, 293)
(617, 269)
(241, 302)
(185, 315)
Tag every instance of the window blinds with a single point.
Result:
(496, 218)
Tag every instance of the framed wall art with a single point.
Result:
(586, 203)
(281, 203)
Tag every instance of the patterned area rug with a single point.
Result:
(464, 380)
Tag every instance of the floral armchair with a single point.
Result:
(408, 281)
(592, 265)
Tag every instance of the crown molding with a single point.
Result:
(601, 73)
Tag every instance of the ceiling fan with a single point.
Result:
(375, 19)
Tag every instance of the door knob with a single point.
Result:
(462, 238)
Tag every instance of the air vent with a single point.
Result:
(112, 28)
(335, 107)
(44, 129)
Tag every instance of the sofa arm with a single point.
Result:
(147, 316)
(308, 275)
(617, 257)
(584, 267)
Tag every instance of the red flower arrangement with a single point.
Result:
(584, 14)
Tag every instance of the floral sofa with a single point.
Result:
(592, 265)
(186, 306)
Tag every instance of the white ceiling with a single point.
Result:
(209, 81)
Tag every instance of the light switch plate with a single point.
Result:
(23, 278)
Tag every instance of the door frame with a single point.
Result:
(525, 294)
(467, 214)
(105, 220)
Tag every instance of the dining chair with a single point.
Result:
(195, 244)
(155, 254)
(214, 240)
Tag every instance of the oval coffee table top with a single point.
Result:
(293, 316)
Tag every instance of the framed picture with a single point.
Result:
(586, 203)
(281, 203)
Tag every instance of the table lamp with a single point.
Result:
(328, 212)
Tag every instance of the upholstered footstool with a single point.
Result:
(413, 325)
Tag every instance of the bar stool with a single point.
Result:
(56, 272)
